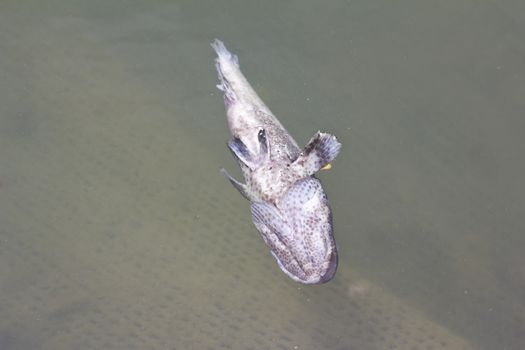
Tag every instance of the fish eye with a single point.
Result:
(261, 135)
(263, 143)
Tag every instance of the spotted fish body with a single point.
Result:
(288, 205)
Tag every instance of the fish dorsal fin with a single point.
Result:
(318, 153)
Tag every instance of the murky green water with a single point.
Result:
(118, 232)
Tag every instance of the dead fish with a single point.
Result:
(288, 205)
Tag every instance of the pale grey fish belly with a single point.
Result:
(288, 204)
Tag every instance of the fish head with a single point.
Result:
(298, 229)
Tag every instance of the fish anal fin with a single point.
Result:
(242, 188)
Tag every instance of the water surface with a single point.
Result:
(118, 232)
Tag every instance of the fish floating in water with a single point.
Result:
(288, 205)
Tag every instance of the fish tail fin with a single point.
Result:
(223, 53)
(225, 63)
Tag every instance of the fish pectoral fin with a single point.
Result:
(242, 188)
(278, 235)
(241, 152)
(319, 152)
(269, 221)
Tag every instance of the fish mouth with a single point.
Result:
(328, 274)
(332, 268)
